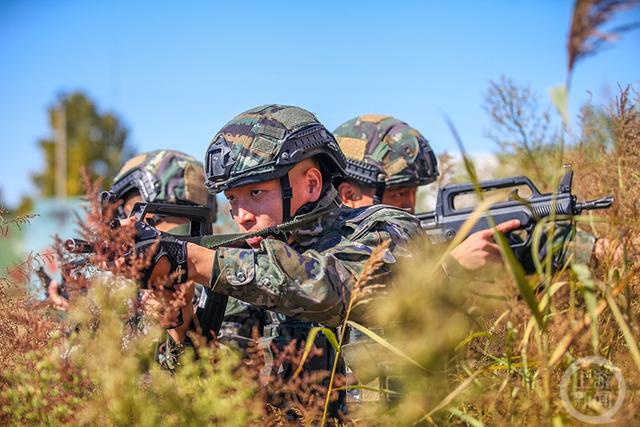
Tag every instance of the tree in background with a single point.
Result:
(522, 128)
(95, 140)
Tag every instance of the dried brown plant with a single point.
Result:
(586, 36)
(288, 399)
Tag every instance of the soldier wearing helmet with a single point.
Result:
(161, 176)
(387, 160)
(171, 177)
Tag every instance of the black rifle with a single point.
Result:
(200, 224)
(444, 223)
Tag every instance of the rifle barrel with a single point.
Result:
(78, 246)
(601, 203)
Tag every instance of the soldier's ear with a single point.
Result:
(349, 193)
(313, 178)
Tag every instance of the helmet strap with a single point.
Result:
(287, 195)
(377, 198)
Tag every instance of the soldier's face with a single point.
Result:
(258, 206)
(358, 196)
(400, 197)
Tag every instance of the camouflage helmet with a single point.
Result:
(163, 176)
(264, 143)
(383, 151)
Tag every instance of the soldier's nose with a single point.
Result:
(244, 218)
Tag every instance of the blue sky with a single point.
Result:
(177, 71)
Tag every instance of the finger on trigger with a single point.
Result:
(508, 225)
(494, 247)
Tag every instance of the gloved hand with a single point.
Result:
(163, 245)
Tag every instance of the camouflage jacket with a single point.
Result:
(310, 277)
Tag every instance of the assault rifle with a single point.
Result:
(200, 224)
(445, 222)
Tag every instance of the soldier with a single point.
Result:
(162, 176)
(172, 177)
(302, 251)
(387, 160)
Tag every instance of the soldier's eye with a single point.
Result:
(255, 193)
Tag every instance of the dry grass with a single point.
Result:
(586, 35)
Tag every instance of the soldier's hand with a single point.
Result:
(480, 249)
(168, 254)
(57, 300)
(607, 250)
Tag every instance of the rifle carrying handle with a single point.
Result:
(448, 193)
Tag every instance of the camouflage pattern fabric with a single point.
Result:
(400, 154)
(240, 319)
(253, 146)
(310, 277)
(163, 176)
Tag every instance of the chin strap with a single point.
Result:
(379, 195)
(287, 195)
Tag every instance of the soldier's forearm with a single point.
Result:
(200, 263)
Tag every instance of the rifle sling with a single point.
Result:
(217, 240)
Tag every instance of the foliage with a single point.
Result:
(586, 34)
(523, 129)
(487, 349)
(95, 140)
(95, 365)
(483, 358)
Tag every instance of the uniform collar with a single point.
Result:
(320, 218)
